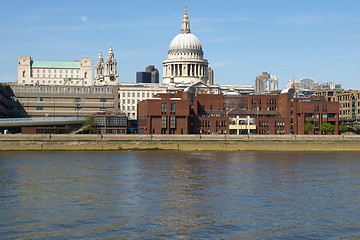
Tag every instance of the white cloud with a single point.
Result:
(84, 19)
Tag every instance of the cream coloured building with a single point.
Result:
(132, 93)
(49, 73)
(185, 63)
(65, 101)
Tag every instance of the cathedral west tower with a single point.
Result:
(106, 72)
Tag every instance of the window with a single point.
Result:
(39, 108)
(78, 109)
(77, 99)
(103, 109)
(172, 121)
(163, 107)
(103, 99)
(163, 121)
(39, 99)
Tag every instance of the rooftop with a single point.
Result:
(59, 65)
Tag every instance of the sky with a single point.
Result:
(240, 38)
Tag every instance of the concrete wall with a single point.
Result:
(190, 137)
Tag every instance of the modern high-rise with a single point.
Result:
(303, 83)
(151, 75)
(143, 77)
(154, 73)
(210, 76)
(331, 86)
(266, 83)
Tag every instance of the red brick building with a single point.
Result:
(317, 113)
(279, 112)
(182, 113)
(283, 113)
(164, 114)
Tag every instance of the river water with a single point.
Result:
(179, 195)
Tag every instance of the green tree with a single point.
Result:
(57, 131)
(88, 124)
(327, 127)
(309, 126)
(343, 127)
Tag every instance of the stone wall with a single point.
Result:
(67, 142)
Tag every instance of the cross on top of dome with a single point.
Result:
(185, 23)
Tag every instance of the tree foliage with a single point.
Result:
(327, 127)
(309, 126)
(88, 124)
(343, 127)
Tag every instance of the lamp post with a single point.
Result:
(54, 108)
(77, 109)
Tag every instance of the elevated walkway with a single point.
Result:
(42, 121)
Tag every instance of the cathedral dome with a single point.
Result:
(185, 63)
(185, 41)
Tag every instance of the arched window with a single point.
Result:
(24, 74)
(85, 74)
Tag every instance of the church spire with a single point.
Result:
(111, 50)
(100, 55)
(185, 23)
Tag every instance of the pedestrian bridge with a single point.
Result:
(40, 121)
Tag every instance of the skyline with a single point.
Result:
(240, 39)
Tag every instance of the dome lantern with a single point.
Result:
(185, 23)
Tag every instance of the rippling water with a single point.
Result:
(179, 195)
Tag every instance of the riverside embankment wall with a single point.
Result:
(21, 142)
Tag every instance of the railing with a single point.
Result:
(41, 119)
(62, 90)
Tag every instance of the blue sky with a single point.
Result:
(241, 39)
